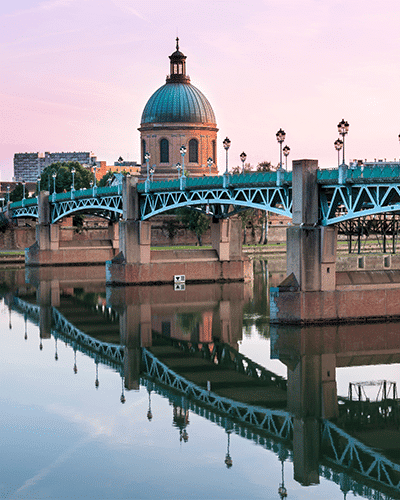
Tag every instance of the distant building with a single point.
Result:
(28, 166)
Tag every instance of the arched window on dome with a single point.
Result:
(164, 151)
(143, 150)
(193, 151)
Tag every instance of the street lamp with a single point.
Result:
(343, 128)
(23, 190)
(182, 150)
(209, 163)
(73, 178)
(54, 175)
(38, 183)
(280, 136)
(338, 146)
(94, 172)
(147, 158)
(226, 142)
(243, 157)
(179, 168)
(286, 151)
(8, 194)
(152, 173)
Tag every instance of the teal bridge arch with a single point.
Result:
(344, 194)
(344, 459)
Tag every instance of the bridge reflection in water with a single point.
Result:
(183, 346)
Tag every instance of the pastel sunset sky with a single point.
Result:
(76, 74)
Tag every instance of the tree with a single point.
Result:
(63, 181)
(265, 166)
(238, 170)
(194, 221)
(17, 193)
(255, 219)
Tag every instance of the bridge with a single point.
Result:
(316, 200)
(344, 194)
(339, 457)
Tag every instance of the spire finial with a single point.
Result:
(177, 43)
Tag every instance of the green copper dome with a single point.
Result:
(178, 102)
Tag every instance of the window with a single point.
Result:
(164, 151)
(193, 151)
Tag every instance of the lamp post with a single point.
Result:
(38, 183)
(343, 128)
(8, 194)
(243, 157)
(147, 158)
(280, 136)
(151, 173)
(73, 178)
(54, 175)
(338, 146)
(226, 142)
(23, 190)
(286, 151)
(209, 163)
(94, 175)
(182, 150)
(179, 168)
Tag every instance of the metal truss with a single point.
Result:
(111, 354)
(276, 422)
(348, 453)
(224, 355)
(345, 458)
(31, 211)
(109, 206)
(219, 202)
(281, 448)
(343, 202)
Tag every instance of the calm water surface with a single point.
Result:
(65, 433)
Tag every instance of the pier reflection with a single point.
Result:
(184, 346)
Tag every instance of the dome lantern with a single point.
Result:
(177, 67)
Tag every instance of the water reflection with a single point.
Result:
(183, 346)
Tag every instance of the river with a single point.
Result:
(79, 424)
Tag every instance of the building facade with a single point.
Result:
(177, 115)
(29, 166)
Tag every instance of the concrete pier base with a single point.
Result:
(49, 250)
(136, 264)
(198, 266)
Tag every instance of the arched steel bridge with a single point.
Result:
(345, 459)
(360, 192)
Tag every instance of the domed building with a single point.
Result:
(177, 115)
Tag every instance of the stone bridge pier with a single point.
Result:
(51, 250)
(138, 264)
(311, 255)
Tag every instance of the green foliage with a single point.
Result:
(103, 181)
(64, 177)
(4, 223)
(265, 166)
(238, 170)
(195, 221)
(17, 194)
(171, 227)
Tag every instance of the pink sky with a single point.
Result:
(76, 74)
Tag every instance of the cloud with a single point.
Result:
(126, 6)
(42, 7)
